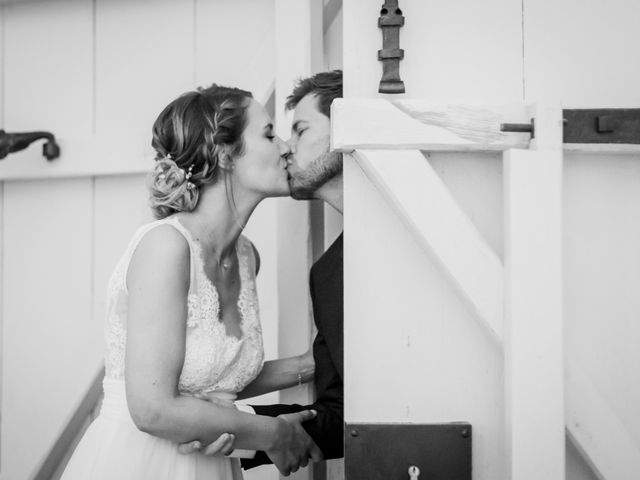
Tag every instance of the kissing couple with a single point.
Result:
(183, 332)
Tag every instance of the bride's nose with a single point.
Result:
(284, 148)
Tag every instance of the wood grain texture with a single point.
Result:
(407, 124)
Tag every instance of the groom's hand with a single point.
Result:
(293, 446)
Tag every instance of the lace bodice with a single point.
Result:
(214, 361)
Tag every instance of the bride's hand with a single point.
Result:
(222, 446)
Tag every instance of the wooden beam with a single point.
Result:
(82, 156)
(534, 322)
(411, 124)
(596, 431)
(416, 192)
(60, 450)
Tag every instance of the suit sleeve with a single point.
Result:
(326, 429)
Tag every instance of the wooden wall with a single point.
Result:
(96, 73)
(428, 359)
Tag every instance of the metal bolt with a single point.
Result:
(465, 433)
(354, 433)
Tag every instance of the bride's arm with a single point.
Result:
(158, 282)
(281, 373)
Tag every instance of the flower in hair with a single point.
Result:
(189, 174)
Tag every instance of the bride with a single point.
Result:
(182, 329)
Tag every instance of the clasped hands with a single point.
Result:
(292, 449)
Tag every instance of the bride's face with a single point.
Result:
(262, 167)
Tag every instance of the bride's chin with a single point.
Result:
(281, 191)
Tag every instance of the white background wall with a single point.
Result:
(429, 361)
(96, 73)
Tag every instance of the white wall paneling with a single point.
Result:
(50, 346)
(157, 45)
(459, 52)
(1, 314)
(220, 55)
(298, 46)
(48, 85)
(559, 37)
(403, 323)
(120, 207)
(410, 185)
(604, 439)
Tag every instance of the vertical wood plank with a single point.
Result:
(157, 43)
(298, 26)
(48, 85)
(49, 341)
(1, 219)
(48, 68)
(534, 373)
(247, 64)
(120, 206)
(1, 314)
(2, 34)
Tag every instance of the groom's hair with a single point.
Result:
(325, 86)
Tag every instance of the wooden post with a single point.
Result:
(298, 27)
(533, 304)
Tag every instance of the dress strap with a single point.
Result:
(142, 231)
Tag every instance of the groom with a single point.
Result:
(314, 172)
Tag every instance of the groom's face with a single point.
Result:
(311, 165)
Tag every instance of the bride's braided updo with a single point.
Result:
(190, 137)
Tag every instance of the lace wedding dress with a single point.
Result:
(113, 448)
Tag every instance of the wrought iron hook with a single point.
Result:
(14, 142)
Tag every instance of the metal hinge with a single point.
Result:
(592, 125)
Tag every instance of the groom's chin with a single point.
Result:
(301, 194)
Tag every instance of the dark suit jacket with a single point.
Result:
(326, 429)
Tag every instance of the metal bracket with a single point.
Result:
(384, 451)
(602, 125)
(390, 21)
(592, 125)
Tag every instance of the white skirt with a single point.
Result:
(114, 449)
